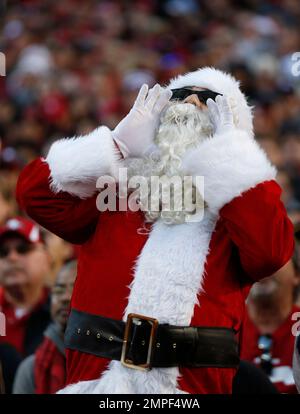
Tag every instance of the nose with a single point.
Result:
(67, 294)
(193, 99)
(13, 255)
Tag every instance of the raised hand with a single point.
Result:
(134, 134)
(220, 114)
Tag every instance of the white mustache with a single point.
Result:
(177, 110)
(182, 120)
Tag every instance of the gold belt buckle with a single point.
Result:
(131, 319)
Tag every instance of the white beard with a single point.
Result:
(183, 126)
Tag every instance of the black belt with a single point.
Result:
(142, 342)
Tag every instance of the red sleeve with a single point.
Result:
(258, 225)
(69, 217)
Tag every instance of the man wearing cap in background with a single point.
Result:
(24, 300)
(45, 371)
(165, 272)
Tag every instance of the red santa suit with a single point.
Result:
(196, 273)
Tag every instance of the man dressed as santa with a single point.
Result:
(159, 297)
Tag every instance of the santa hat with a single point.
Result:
(221, 82)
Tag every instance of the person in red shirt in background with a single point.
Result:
(24, 300)
(268, 336)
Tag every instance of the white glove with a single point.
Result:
(220, 114)
(134, 134)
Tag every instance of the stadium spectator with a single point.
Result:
(45, 371)
(24, 300)
(268, 339)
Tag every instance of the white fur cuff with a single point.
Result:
(77, 163)
(231, 164)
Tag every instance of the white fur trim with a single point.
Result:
(224, 83)
(77, 163)
(168, 277)
(231, 163)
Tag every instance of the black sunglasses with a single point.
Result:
(21, 248)
(181, 93)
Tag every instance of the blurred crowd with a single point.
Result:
(72, 66)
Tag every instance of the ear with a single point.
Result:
(296, 277)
